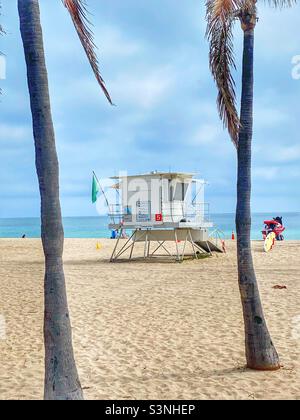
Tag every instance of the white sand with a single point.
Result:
(150, 330)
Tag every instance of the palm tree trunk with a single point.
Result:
(61, 377)
(260, 351)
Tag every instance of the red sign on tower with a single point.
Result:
(158, 217)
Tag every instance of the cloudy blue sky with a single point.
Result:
(154, 59)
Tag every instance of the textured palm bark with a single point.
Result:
(61, 377)
(260, 351)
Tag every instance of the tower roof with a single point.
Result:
(157, 173)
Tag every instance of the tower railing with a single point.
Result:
(172, 212)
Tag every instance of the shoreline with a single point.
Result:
(97, 226)
(289, 241)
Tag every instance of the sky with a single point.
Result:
(154, 59)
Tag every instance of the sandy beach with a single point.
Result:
(143, 330)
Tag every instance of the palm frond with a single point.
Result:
(221, 15)
(281, 3)
(78, 12)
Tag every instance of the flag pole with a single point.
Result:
(104, 195)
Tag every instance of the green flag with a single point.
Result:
(95, 189)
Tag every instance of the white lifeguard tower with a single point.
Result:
(160, 207)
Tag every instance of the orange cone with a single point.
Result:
(233, 236)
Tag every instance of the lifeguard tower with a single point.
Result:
(161, 207)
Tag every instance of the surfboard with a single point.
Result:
(269, 242)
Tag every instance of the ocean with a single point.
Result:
(96, 227)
